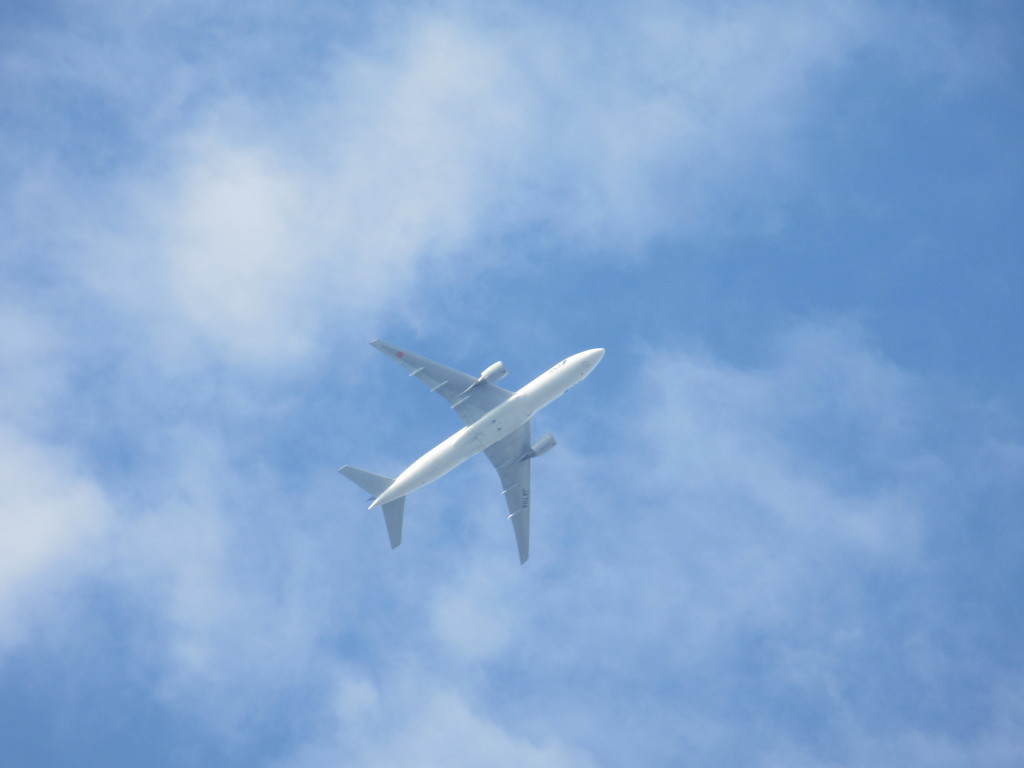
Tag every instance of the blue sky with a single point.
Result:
(782, 524)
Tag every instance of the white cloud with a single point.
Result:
(33, 366)
(435, 726)
(738, 542)
(54, 521)
(250, 221)
(231, 594)
(258, 219)
(474, 615)
(998, 743)
(236, 261)
(741, 511)
(256, 242)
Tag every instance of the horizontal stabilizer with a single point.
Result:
(375, 484)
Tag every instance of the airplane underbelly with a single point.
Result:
(439, 461)
(434, 464)
(493, 428)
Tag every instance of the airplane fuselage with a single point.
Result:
(492, 426)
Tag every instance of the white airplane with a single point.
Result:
(497, 423)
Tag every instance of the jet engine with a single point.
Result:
(493, 373)
(542, 446)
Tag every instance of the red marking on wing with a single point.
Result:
(400, 353)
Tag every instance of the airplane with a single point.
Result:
(497, 422)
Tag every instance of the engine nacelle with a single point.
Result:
(542, 446)
(494, 373)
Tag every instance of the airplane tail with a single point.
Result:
(377, 484)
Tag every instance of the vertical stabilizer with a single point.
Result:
(393, 512)
(377, 484)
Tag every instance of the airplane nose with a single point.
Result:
(596, 355)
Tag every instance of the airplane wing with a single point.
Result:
(453, 386)
(509, 457)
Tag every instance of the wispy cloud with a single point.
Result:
(716, 561)
(253, 217)
(55, 521)
(742, 566)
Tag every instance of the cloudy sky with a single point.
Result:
(783, 524)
